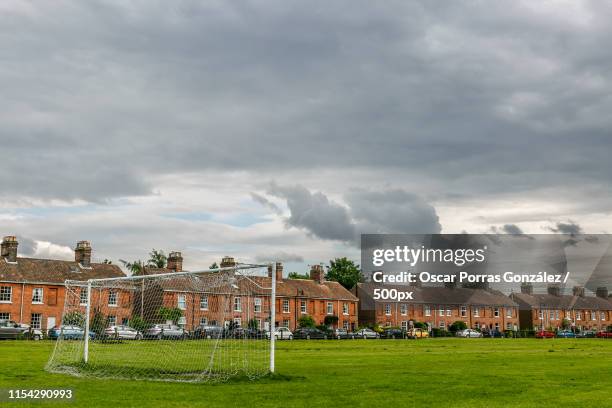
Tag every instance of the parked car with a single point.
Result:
(469, 333)
(545, 334)
(417, 333)
(13, 330)
(366, 334)
(566, 334)
(393, 334)
(586, 334)
(604, 335)
(281, 333)
(309, 333)
(497, 334)
(69, 332)
(122, 332)
(340, 334)
(208, 332)
(166, 331)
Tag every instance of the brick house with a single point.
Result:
(549, 310)
(32, 290)
(439, 307)
(295, 298)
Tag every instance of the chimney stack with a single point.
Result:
(175, 261)
(82, 253)
(317, 274)
(527, 288)
(279, 271)
(554, 290)
(578, 291)
(228, 262)
(602, 292)
(9, 248)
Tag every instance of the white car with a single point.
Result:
(469, 333)
(122, 332)
(281, 333)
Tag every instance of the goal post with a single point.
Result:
(199, 326)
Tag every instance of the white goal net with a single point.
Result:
(185, 326)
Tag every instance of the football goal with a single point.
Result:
(202, 326)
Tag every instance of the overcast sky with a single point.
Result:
(285, 129)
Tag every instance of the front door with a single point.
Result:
(50, 322)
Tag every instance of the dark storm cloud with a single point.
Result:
(266, 203)
(393, 211)
(569, 228)
(101, 99)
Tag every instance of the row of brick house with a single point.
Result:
(32, 291)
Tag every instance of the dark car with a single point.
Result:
(393, 334)
(309, 333)
(208, 332)
(13, 330)
(586, 334)
(566, 334)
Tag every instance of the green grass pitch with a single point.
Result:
(368, 373)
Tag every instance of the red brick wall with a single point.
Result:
(582, 318)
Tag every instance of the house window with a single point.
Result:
(476, 312)
(463, 311)
(496, 312)
(449, 312)
(285, 305)
(35, 320)
(388, 309)
(286, 323)
(112, 320)
(497, 326)
(508, 326)
(578, 315)
(593, 316)
(125, 321)
(568, 314)
(404, 325)
(443, 325)
(441, 312)
(541, 314)
(477, 325)
(257, 304)
(345, 308)
(6, 293)
(203, 321)
(303, 306)
(345, 325)
(203, 302)
(403, 309)
(182, 302)
(427, 310)
(508, 312)
(602, 316)
(83, 297)
(237, 322)
(330, 308)
(556, 315)
(37, 295)
(237, 304)
(112, 298)
(5, 316)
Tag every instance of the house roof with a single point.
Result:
(303, 288)
(437, 295)
(562, 302)
(30, 270)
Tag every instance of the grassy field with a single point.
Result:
(402, 373)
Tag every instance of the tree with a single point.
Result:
(157, 259)
(345, 272)
(98, 322)
(136, 267)
(213, 266)
(74, 318)
(457, 326)
(330, 320)
(297, 275)
(306, 321)
(170, 313)
(253, 324)
(139, 324)
(107, 262)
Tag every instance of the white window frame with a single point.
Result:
(83, 297)
(112, 320)
(204, 302)
(285, 305)
(181, 301)
(578, 315)
(463, 311)
(602, 316)
(286, 323)
(449, 312)
(476, 312)
(345, 309)
(403, 309)
(4, 291)
(5, 316)
(387, 309)
(257, 305)
(345, 325)
(112, 296)
(303, 307)
(237, 322)
(237, 304)
(203, 321)
(38, 296)
(441, 312)
(36, 325)
(442, 324)
(427, 310)
(404, 325)
(330, 308)
(496, 312)
(509, 313)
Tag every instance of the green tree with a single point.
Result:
(306, 321)
(457, 326)
(345, 272)
(136, 267)
(98, 322)
(74, 318)
(330, 320)
(170, 313)
(297, 275)
(139, 323)
(107, 262)
(253, 324)
(213, 266)
(157, 259)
